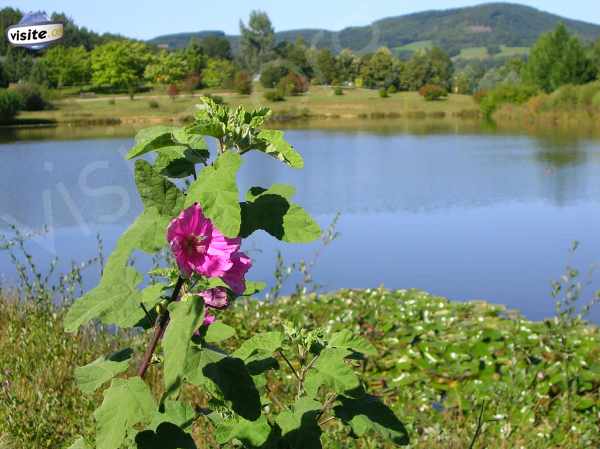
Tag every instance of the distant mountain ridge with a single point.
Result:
(491, 24)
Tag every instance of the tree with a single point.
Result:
(66, 66)
(257, 40)
(432, 66)
(348, 66)
(218, 73)
(195, 56)
(17, 64)
(556, 59)
(119, 64)
(297, 55)
(217, 47)
(325, 65)
(8, 17)
(168, 68)
(595, 58)
(381, 71)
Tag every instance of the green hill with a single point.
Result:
(503, 25)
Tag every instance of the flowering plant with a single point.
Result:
(203, 226)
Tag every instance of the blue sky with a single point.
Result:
(144, 19)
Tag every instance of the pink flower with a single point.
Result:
(215, 298)
(234, 277)
(198, 246)
(208, 319)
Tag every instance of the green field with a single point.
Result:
(319, 102)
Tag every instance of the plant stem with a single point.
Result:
(289, 364)
(159, 329)
(479, 426)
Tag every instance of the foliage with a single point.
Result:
(33, 97)
(383, 93)
(292, 84)
(431, 66)
(10, 104)
(242, 83)
(216, 47)
(218, 73)
(257, 41)
(337, 90)
(168, 68)
(274, 95)
(432, 92)
(381, 71)
(513, 94)
(556, 59)
(273, 72)
(66, 66)
(119, 64)
(172, 91)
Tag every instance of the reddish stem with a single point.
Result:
(159, 329)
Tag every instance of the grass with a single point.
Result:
(473, 53)
(439, 362)
(319, 102)
(512, 51)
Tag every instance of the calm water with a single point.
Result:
(467, 216)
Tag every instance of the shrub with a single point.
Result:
(432, 92)
(338, 91)
(272, 74)
(111, 102)
(153, 104)
(172, 91)
(506, 93)
(10, 104)
(292, 84)
(242, 83)
(392, 89)
(216, 98)
(479, 96)
(192, 82)
(218, 73)
(587, 92)
(32, 97)
(274, 95)
(383, 93)
(596, 101)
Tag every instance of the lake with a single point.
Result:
(462, 214)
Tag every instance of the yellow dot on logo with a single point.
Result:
(56, 32)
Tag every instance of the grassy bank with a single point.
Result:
(440, 365)
(319, 102)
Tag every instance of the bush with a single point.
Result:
(383, 93)
(32, 97)
(479, 96)
(272, 74)
(596, 101)
(10, 104)
(274, 95)
(111, 102)
(172, 91)
(392, 89)
(192, 82)
(242, 83)
(153, 104)
(432, 92)
(338, 91)
(506, 93)
(292, 84)
(216, 98)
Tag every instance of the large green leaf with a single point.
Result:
(150, 139)
(218, 331)
(331, 370)
(128, 402)
(157, 191)
(185, 318)
(91, 376)
(252, 433)
(116, 299)
(167, 436)
(181, 414)
(346, 339)
(272, 211)
(79, 443)
(217, 193)
(267, 342)
(274, 144)
(299, 427)
(368, 413)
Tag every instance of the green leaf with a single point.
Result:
(368, 413)
(331, 370)
(185, 317)
(252, 433)
(275, 145)
(126, 403)
(254, 287)
(150, 139)
(218, 331)
(186, 137)
(116, 299)
(267, 342)
(272, 211)
(346, 339)
(90, 377)
(299, 427)
(157, 191)
(79, 443)
(179, 413)
(217, 193)
(167, 436)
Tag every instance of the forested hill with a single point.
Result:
(487, 25)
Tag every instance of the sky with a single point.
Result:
(144, 19)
